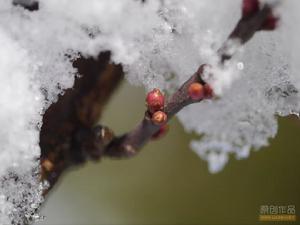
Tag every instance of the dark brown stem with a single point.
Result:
(129, 144)
(243, 32)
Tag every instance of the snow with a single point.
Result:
(19, 136)
(161, 44)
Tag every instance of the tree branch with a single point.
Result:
(69, 136)
(129, 144)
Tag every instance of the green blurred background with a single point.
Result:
(167, 183)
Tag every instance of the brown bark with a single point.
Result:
(68, 135)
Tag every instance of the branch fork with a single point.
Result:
(254, 18)
(99, 141)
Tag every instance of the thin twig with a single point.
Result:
(129, 144)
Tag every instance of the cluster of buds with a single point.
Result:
(155, 102)
(250, 7)
(197, 91)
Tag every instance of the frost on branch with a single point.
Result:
(258, 84)
(161, 43)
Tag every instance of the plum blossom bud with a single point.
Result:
(249, 7)
(47, 165)
(196, 91)
(208, 91)
(161, 132)
(270, 22)
(159, 118)
(155, 100)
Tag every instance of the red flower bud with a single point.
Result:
(249, 7)
(196, 91)
(47, 165)
(155, 100)
(159, 118)
(161, 132)
(208, 91)
(270, 22)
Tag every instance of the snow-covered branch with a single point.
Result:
(49, 108)
(253, 19)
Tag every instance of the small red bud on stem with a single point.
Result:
(208, 91)
(155, 100)
(270, 23)
(249, 7)
(159, 118)
(196, 91)
(161, 132)
(47, 165)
